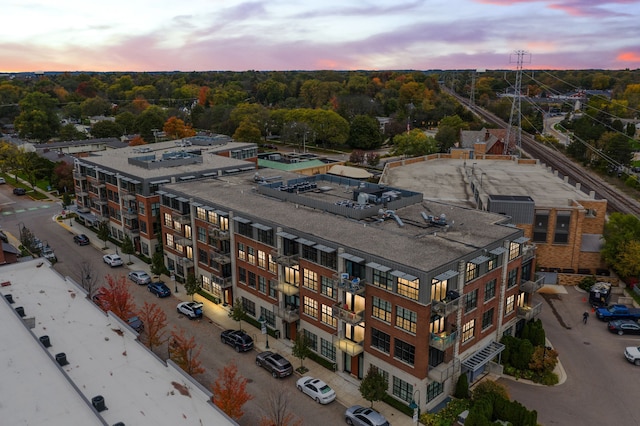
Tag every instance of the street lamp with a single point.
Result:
(415, 406)
(263, 328)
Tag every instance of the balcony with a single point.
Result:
(82, 193)
(448, 305)
(218, 234)
(532, 286)
(444, 371)
(287, 260)
(130, 213)
(127, 196)
(287, 313)
(99, 184)
(529, 312)
(284, 287)
(223, 282)
(219, 257)
(528, 252)
(353, 285)
(102, 201)
(347, 346)
(182, 219)
(443, 341)
(79, 176)
(343, 312)
(180, 240)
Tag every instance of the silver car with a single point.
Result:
(363, 416)
(139, 277)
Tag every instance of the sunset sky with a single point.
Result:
(236, 35)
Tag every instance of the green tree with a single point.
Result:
(462, 387)
(95, 107)
(414, 143)
(247, 132)
(127, 246)
(151, 118)
(103, 232)
(237, 312)
(373, 386)
(37, 119)
(619, 231)
(192, 285)
(68, 132)
(66, 200)
(157, 266)
(106, 129)
(301, 348)
(364, 133)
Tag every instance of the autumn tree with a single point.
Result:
(237, 312)
(230, 391)
(374, 386)
(277, 410)
(62, 177)
(175, 128)
(155, 321)
(115, 297)
(185, 352)
(137, 141)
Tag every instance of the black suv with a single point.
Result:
(240, 340)
(274, 363)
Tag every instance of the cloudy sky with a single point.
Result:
(202, 35)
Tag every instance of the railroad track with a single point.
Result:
(565, 167)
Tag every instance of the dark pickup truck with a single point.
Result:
(615, 312)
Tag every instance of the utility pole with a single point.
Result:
(516, 107)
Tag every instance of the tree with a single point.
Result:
(462, 387)
(127, 246)
(192, 285)
(619, 232)
(37, 118)
(357, 157)
(27, 239)
(230, 391)
(106, 129)
(543, 360)
(175, 128)
(237, 312)
(151, 118)
(374, 386)
(68, 132)
(62, 178)
(301, 348)
(137, 141)
(157, 264)
(115, 297)
(414, 143)
(364, 133)
(66, 200)
(155, 321)
(373, 159)
(185, 353)
(277, 411)
(88, 278)
(247, 131)
(489, 387)
(103, 233)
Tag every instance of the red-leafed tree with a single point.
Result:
(155, 321)
(175, 128)
(185, 352)
(136, 141)
(229, 391)
(115, 297)
(203, 95)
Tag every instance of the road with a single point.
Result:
(37, 216)
(549, 128)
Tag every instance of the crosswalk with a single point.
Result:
(17, 211)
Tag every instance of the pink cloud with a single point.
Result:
(629, 57)
(570, 7)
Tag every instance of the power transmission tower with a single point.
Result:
(509, 147)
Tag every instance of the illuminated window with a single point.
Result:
(382, 279)
(472, 272)
(311, 307)
(327, 287)
(510, 305)
(327, 316)
(438, 290)
(251, 255)
(310, 280)
(262, 259)
(242, 254)
(514, 250)
(170, 241)
(406, 319)
(468, 330)
(408, 288)
(381, 309)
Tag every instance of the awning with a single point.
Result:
(483, 356)
(221, 213)
(286, 235)
(209, 174)
(158, 182)
(187, 177)
(377, 266)
(351, 257)
(403, 275)
(170, 195)
(124, 178)
(498, 251)
(446, 275)
(306, 242)
(261, 227)
(196, 204)
(521, 240)
(479, 260)
(182, 200)
(135, 182)
(208, 208)
(324, 248)
(241, 219)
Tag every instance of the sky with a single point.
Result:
(278, 35)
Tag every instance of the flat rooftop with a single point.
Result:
(448, 180)
(104, 358)
(118, 159)
(417, 244)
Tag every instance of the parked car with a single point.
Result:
(112, 260)
(159, 288)
(632, 354)
(318, 390)
(19, 191)
(274, 363)
(81, 240)
(240, 340)
(135, 323)
(624, 327)
(364, 416)
(139, 277)
(615, 312)
(190, 309)
(48, 254)
(2, 181)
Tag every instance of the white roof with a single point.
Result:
(104, 358)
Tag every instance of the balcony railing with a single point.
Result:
(218, 234)
(529, 312)
(219, 257)
(528, 251)
(286, 312)
(79, 176)
(127, 196)
(130, 213)
(102, 201)
(443, 341)
(343, 312)
(353, 285)
(223, 282)
(284, 259)
(183, 241)
(347, 346)
(182, 219)
(447, 305)
(443, 371)
(284, 287)
(532, 286)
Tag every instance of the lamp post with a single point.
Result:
(415, 406)
(263, 329)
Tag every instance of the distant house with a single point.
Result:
(484, 141)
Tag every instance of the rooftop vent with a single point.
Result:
(61, 358)
(9, 298)
(20, 311)
(98, 403)
(46, 342)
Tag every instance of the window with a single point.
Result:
(242, 275)
(514, 250)
(382, 279)
(242, 254)
(269, 316)
(563, 222)
(309, 253)
(487, 319)
(143, 226)
(408, 288)
(404, 351)
(251, 255)
(249, 306)
(201, 213)
(433, 390)
(471, 301)
(262, 284)
(383, 373)
(472, 272)
(202, 256)
(540, 225)
(402, 389)
(380, 340)
(312, 340)
(327, 287)
(327, 316)
(468, 330)
(292, 275)
(310, 307)
(273, 291)
(273, 266)
(512, 278)
(438, 290)
(262, 259)
(492, 263)
(381, 309)
(510, 305)
(252, 279)
(310, 280)
(437, 324)
(170, 240)
(327, 349)
(245, 229)
(202, 234)
(406, 319)
(265, 237)
(490, 290)
(328, 260)
(141, 208)
(168, 220)
(155, 209)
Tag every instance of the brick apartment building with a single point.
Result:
(372, 275)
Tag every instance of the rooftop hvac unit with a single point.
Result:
(98, 403)
(9, 298)
(46, 342)
(20, 311)
(61, 359)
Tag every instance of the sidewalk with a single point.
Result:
(346, 387)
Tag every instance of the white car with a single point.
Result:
(318, 390)
(139, 277)
(112, 260)
(191, 310)
(632, 354)
(48, 253)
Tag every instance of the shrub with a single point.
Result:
(586, 283)
(489, 387)
(462, 387)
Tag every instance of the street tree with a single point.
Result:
(373, 386)
(155, 323)
(157, 264)
(127, 246)
(230, 391)
(237, 312)
(185, 352)
(62, 179)
(301, 348)
(103, 233)
(191, 285)
(277, 410)
(115, 297)
(88, 278)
